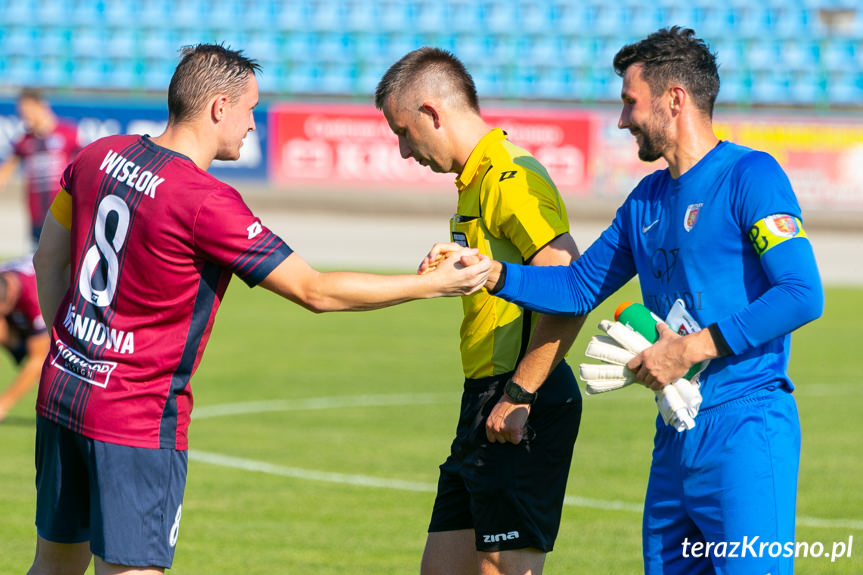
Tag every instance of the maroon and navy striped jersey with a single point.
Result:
(154, 243)
(44, 158)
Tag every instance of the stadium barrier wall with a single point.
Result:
(350, 147)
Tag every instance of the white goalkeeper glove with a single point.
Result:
(678, 403)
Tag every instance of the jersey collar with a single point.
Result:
(476, 156)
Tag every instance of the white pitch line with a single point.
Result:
(385, 483)
(423, 487)
(380, 400)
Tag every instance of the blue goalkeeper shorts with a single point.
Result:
(721, 497)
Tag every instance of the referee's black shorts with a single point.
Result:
(511, 495)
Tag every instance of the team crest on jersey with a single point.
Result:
(460, 239)
(782, 225)
(691, 216)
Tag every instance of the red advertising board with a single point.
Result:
(352, 146)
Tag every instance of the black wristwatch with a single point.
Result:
(518, 394)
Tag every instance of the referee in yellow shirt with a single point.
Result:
(501, 490)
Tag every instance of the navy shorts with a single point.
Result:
(126, 501)
(510, 495)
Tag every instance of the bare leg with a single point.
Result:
(516, 562)
(450, 553)
(60, 558)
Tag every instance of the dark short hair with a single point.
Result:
(674, 55)
(204, 71)
(34, 94)
(414, 65)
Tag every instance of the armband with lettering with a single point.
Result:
(773, 230)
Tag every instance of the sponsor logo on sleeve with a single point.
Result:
(254, 229)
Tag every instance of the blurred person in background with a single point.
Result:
(22, 330)
(135, 257)
(501, 490)
(44, 150)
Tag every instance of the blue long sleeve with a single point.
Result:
(575, 289)
(795, 298)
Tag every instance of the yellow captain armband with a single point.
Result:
(61, 209)
(773, 230)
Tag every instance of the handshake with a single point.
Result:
(634, 331)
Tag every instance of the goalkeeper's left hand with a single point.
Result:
(670, 357)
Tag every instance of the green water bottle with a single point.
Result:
(643, 321)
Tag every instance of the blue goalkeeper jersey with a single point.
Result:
(726, 237)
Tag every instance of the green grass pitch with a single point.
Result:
(316, 441)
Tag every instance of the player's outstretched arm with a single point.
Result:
(7, 170)
(28, 375)
(317, 291)
(51, 262)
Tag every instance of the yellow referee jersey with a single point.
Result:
(509, 209)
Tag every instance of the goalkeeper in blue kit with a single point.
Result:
(721, 229)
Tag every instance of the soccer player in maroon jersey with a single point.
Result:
(133, 262)
(22, 330)
(45, 149)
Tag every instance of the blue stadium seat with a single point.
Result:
(840, 54)
(845, 89)
(360, 16)
(718, 20)
(157, 74)
(729, 55)
(20, 71)
(336, 78)
(763, 53)
(122, 14)
(123, 43)
(808, 88)
(334, 47)
(536, 17)
(367, 79)
(579, 51)
(575, 18)
(326, 16)
(464, 16)
(192, 13)
(155, 13)
(801, 54)
(19, 12)
(553, 83)
(754, 21)
(20, 40)
(90, 73)
(395, 16)
(89, 42)
(500, 17)
(123, 74)
(51, 12)
(302, 78)
(771, 87)
(85, 14)
(293, 17)
(734, 88)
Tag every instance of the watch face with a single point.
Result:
(517, 393)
